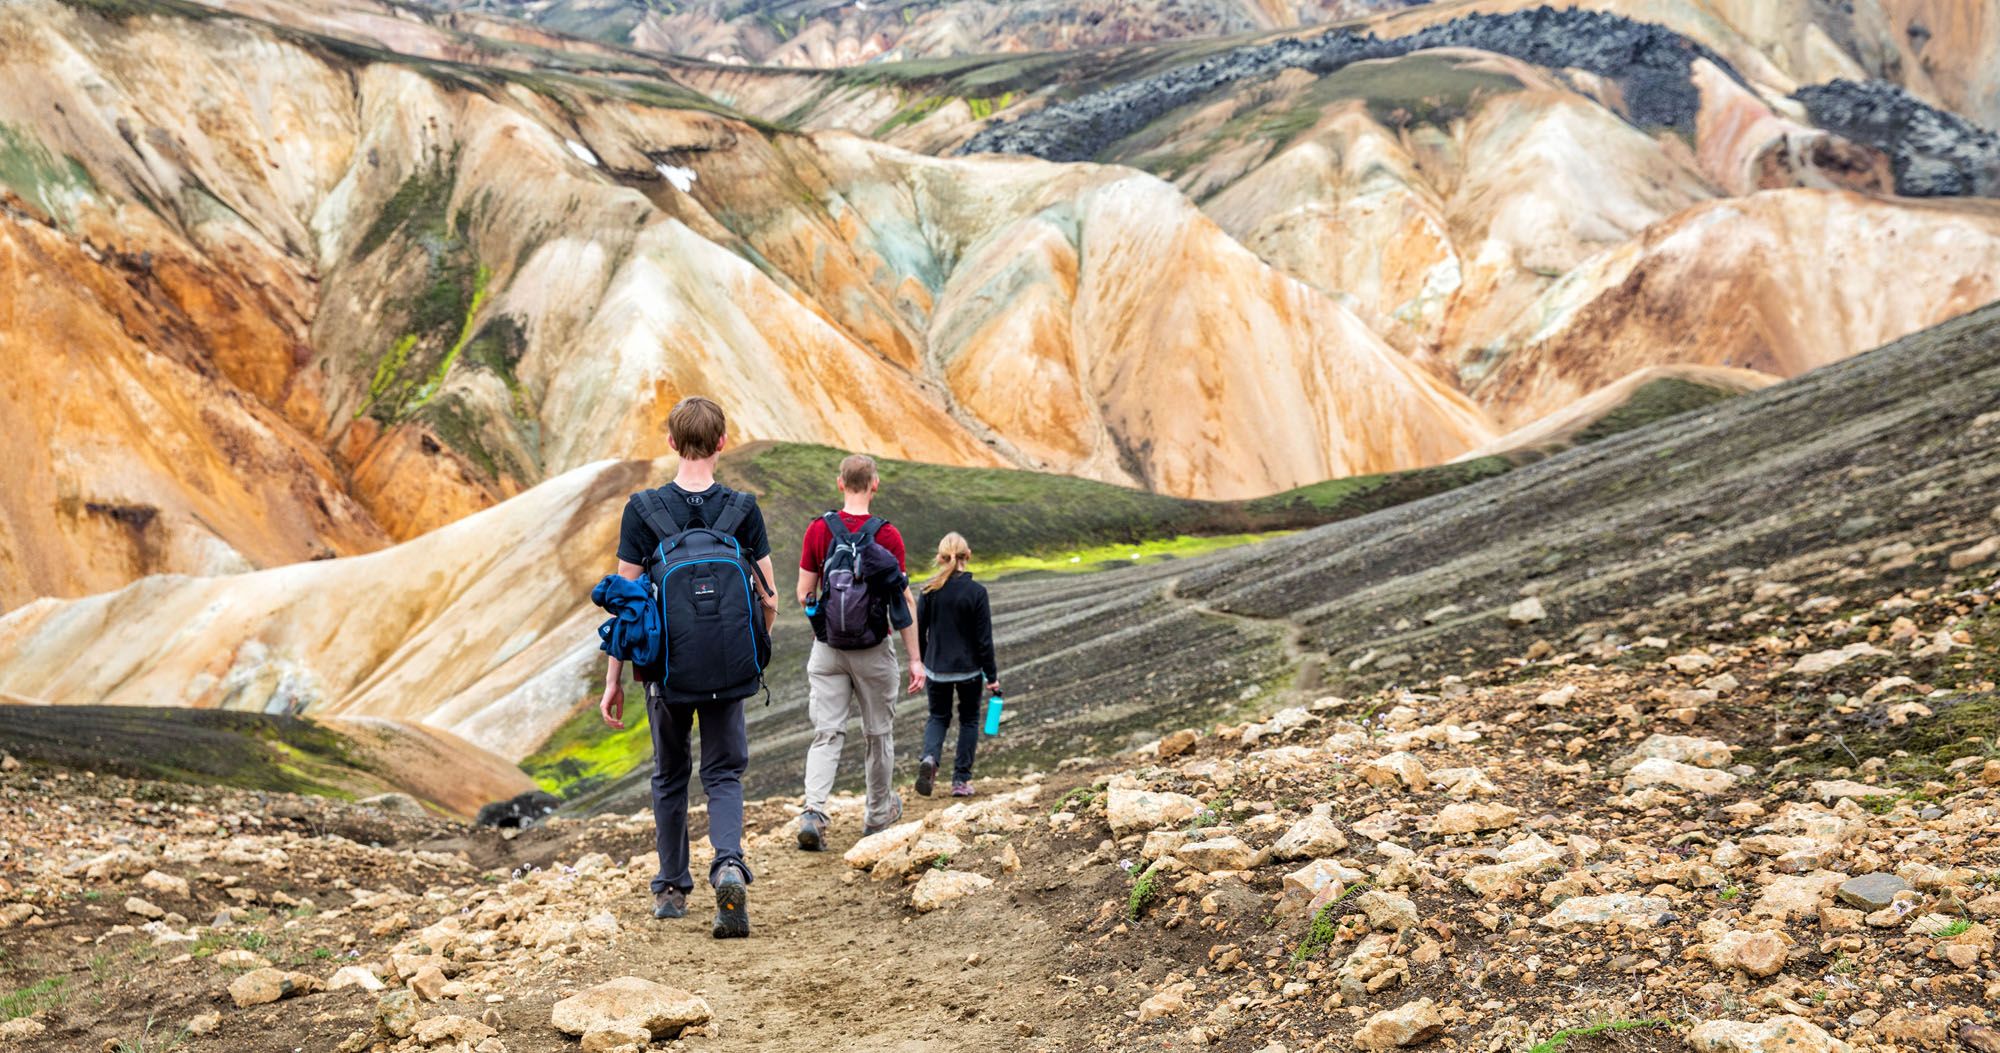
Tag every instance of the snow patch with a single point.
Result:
(582, 152)
(680, 176)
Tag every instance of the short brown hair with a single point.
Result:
(857, 472)
(696, 426)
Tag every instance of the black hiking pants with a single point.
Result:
(725, 753)
(967, 693)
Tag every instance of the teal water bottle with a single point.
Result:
(993, 714)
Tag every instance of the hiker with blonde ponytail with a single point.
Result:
(955, 633)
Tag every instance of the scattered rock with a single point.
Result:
(396, 1013)
(1310, 838)
(1783, 1034)
(266, 985)
(871, 849)
(1393, 769)
(627, 1002)
(1580, 912)
(428, 983)
(1870, 891)
(441, 1029)
(1977, 554)
(616, 1039)
(21, 1029)
(395, 803)
(1406, 1025)
(1469, 818)
(1827, 661)
(1526, 611)
(354, 976)
(1759, 954)
(1177, 743)
(1168, 1001)
(1659, 771)
(164, 884)
(1387, 910)
(143, 908)
(939, 887)
(204, 1023)
(1828, 792)
(1136, 811)
(1685, 749)
(1221, 853)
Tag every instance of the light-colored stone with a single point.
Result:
(614, 1039)
(1686, 749)
(1870, 891)
(1829, 791)
(1310, 838)
(1783, 1034)
(1221, 853)
(1136, 811)
(1393, 769)
(261, 987)
(1177, 743)
(395, 803)
(1168, 1001)
(1589, 912)
(1827, 661)
(939, 887)
(629, 1001)
(438, 1030)
(21, 1029)
(1659, 771)
(1470, 818)
(165, 884)
(238, 958)
(143, 908)
(204, 1023)
(869, 850)
(1977, 554)
(1387, 910)
(1527, 611)
(359, 976)
(1409, 1024)
(428, 983)
(1759, 954)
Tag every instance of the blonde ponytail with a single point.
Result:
(952, 556)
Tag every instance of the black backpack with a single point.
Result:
(716, 645)
(851, 617)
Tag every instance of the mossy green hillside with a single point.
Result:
(1655, 400)
(253, 751)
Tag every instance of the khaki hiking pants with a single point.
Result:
(843, 681)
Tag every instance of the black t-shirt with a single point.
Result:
(637, 539)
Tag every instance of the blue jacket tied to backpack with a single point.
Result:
(632, 634)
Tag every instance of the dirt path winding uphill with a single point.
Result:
(297, 884)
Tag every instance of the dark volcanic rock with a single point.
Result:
(1935, 153)
(1651, 63)
(525, 810)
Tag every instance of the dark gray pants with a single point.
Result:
(942, 693)
(725, 753)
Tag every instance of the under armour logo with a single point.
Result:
(695, 499)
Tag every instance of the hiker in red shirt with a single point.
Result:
(852, 584)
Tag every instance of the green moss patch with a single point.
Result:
(1655, 400)
(583, 754)
(253, 751)
(48, 182)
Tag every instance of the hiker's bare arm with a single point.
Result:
(910, 644)
(770, 598)
(808, 584)
(612, 706)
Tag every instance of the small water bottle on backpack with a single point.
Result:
(993, 714)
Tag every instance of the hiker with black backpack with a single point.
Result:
(852, 584)
(697, 553)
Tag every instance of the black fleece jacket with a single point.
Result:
(955, 628)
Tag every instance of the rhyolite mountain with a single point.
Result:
(388, 302)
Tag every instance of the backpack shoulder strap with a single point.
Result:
(653, 509)
(871, 528)
(836, 524)
(735, 509)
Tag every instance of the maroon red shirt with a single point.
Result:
(819, 539)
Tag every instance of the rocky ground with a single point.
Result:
(1778, 832)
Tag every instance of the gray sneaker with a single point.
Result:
(812, 832)
(895, 816)
(732, 913)
(673, 903)
(926, 776)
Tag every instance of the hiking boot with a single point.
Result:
(812, 832)
(961, 789)
(926, 776)
(895, 817)
(732, 914)
(672, 903)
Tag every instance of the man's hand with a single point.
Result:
(916, 676)
(612, 708)
(993, 687)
